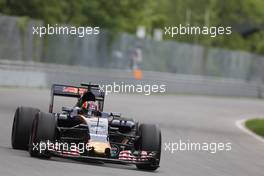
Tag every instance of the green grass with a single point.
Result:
(256, 125)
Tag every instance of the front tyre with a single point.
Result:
(43, 129)
(150, 140)
(22, 126)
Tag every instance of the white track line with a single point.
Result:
(241, 125)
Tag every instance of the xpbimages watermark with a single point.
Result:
(80, 31)
(146, 89)
(211, 147)
(61, 146)
(212, 31)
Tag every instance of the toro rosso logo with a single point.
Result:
(70, 90)
(74, 90)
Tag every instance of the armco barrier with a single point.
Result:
(32, 74)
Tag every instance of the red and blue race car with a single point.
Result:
(85, 132)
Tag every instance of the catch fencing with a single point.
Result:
(112, 51)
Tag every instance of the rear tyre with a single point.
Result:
(22, 126)
(43, 129)
(150, 140)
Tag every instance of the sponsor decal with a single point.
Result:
(114, 150)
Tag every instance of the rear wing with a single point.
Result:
(76, 92)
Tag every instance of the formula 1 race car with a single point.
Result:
(85, 132)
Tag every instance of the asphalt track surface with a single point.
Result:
(193, 118)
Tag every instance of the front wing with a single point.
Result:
(150, 160)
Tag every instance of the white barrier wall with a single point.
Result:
(31, 74)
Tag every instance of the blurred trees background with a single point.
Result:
(245, 16)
